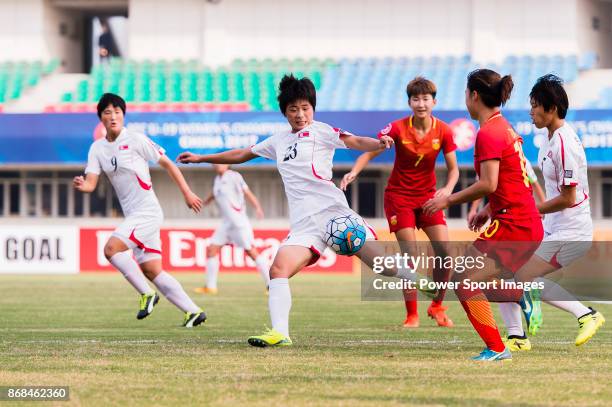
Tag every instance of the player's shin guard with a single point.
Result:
(479, 313)
(279, 303)
(124, 262)
(173, 291)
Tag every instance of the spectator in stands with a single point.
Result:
(106, 43)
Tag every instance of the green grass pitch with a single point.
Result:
(81, 331)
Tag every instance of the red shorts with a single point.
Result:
(403, 212)
(511, 243)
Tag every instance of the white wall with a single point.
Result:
(161, 29)
(22, 30)
(489, 30)
(590, 40)
(522, 27)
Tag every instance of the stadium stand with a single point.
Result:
(343, 85)
(16, 76)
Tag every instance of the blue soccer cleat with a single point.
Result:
(487, 355)
(532, 309)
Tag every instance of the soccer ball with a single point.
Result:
(345, 234)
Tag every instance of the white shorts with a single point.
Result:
(141, 234)
(310, 231)
(228, 233)
(561, 248)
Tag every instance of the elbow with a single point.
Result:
(489, 187)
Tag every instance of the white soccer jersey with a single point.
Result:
(125, 162)
(228, 190)
(563, 163)
(304, 161)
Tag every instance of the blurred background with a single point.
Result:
(202, 75)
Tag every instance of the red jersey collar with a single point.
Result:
(433, 121)
(494, 115)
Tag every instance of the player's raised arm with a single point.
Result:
(85, 183)
(360, 164)
(235, 156)
(193, 201)
(367, 143)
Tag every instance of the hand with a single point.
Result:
(259, 213)
(386, 142)
(479, 220)
(193, 201)
(79, 183)
(347, 179)
(435, 204)
(442, 192)
(470, 217)
(187, 158)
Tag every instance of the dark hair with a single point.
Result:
(493, 89)
(548, 92)
(110, 99)
(292, 89)
(421, 86)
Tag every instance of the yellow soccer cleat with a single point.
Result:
(517, 344)
(206, 290)
(588, 325)
(270, 338)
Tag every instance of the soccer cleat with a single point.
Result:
(517, 344)
(532, 309)
(194, 319)
(438, 313)
(206, 290)
(147, 303)
(412, 321)
(270, 338)
(487, 355)
(588, 325)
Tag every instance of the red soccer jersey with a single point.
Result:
(513, 197)
(413, 172)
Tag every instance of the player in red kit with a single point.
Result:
(515, 230)
(419, 139)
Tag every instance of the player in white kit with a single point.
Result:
(303, 156)
(229, 193)
(568, 228)
(123, 155)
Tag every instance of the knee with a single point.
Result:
(110, 250)
(277, 271)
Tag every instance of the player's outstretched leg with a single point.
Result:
(288, 261)
(117, 254)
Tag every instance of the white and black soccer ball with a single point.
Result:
(345, 234)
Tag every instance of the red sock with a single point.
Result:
(410, 300)
(478, 310)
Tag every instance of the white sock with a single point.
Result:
(124, 262)
(264, 268)
(559, 297)
(279, 303)
(513, 318)
(173, 291)
(212, 271)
